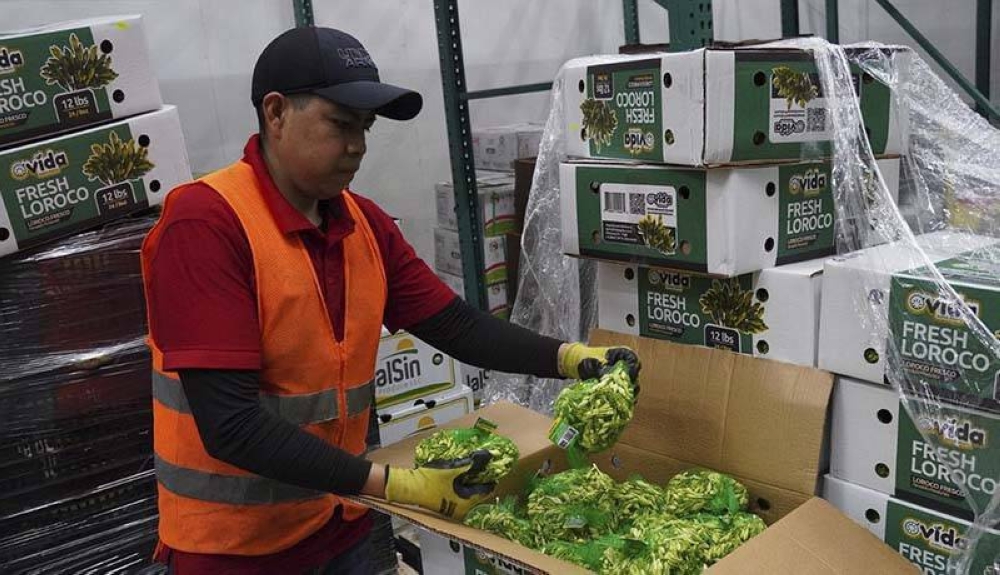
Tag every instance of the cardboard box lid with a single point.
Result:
(815, 539)
(752, 418)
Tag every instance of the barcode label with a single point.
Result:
(614, 202)
(567, 437)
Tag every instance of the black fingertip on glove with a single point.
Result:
(480, 459)
(590, 368)
(616, 354)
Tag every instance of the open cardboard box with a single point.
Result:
(761, 421)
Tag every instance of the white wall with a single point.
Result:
(203, 53)
(950, 25)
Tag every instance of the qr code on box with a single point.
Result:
(637, 204)
(815, 119)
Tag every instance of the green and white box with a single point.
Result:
(401, 421)
(713, 106)
(496, 293)
(408, 369)
(877, 444)
(442, 556)
(448, 255)
(496, 204)
(65, 76)
(773, 313)
(497, 148)
(720, 221)
(932, 541)
(61, 186)
(935, 345)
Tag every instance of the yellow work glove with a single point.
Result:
(579, 361)
(439, 485)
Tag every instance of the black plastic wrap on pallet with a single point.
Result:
(110, 528)
(77, 491)
(49, 392)
(76, 294)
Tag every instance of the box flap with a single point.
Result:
(815, 539)
(756, 419)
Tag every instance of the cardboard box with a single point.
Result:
(497, 148)
(401, 421)
(448, 255)
(62, 186)
(712, 106)
(102, 72)
(721, 221)
(408, 369)
(758, 420)
(781, 321)
(497, 299)
(497, 213)
(931, 540)
(875, 443)
(853, 343)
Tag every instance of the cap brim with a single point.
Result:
(383, 99)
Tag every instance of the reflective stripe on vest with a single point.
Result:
(232, 489)
(304, 409)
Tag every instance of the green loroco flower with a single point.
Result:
(460, 443)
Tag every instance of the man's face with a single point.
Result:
(319, 145)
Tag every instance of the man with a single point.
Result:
(267, 285)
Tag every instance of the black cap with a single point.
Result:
(331, 64)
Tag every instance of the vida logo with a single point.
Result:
(811, 183)
(937, 534)
(43, 164)
(961, 434)
(10, 61)
(939, 308)
(669, 280)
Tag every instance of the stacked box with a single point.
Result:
(401, 421)
(407, 369)
(497, 148)
(919, 469)
(498, 222)
(936, 348)
(67, 76)
(933, 541)
(715, 106)
(720, 221)
(86, 144)
(773, 313)
(497, 213)
(877, 444)
(497, 296)
(77, 181)
(475, 378)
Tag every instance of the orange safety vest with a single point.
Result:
(308, 377)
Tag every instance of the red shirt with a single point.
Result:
(203, 310)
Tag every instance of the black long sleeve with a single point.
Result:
(477, 338)
(237, 429)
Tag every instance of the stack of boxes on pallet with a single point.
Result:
(87, 147)
(906, 474)
(495, 152)
(722, 230)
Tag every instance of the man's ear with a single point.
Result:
(274, 108)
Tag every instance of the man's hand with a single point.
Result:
(578, 361)
(438, 485)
